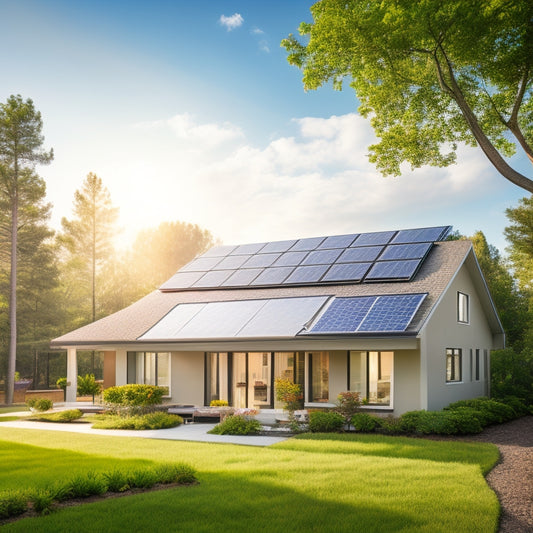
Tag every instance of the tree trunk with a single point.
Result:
(12, 356)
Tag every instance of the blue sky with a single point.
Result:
(188, 110)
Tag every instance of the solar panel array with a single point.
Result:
(354, 258)
(367, 314)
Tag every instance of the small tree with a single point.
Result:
(290, 394)
(348, 404)
(87, 386)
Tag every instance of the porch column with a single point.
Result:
(72, 375)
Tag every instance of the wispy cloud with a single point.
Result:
(230, 23)
(262, 41)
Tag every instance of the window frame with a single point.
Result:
(454, 365)
(136, 372)
(463, 308)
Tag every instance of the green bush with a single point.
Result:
(467, 420)
(42, 501)
(461, 421)
(86, 485)
(491, 411)
(365, 422)
(87, 385)
(134, 398)
(518, 406)
(117, 481)
(40, 404)
(13, 503)
(156, 420)
(69, 415)
(143, 478)
(348, 403)
(237, 425)
(175, 473)
(325, 422)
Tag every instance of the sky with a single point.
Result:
(188, 110)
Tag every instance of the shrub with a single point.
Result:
(156, 420)
(40, 404)
(325, 422)
(290, 394)
(518, 406)
(237, 425)
(42, 501)
(12, 503)
(143, 478)
(218, 403)
(85, 485)
(69, 415)
(463, 421)
(175, 473)
(87, 386)
(491, 411)
(117, 481)
(62, 383)
(467, 420)
(134, 397)
(365, 422)
(348, 404)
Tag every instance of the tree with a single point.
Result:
(88, 240)
(21, 143)
(429, 74)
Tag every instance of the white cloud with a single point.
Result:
(230, 23)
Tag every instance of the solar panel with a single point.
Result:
(260, 260)
(321, 257)
(201, 264)
(343, 315)
(214, 278)
(347, 272)
(231, 262)
(305, 245)
(290, 259)
(242, 277)
(406, 251)
(365, 253)
(181, 280)
(338, 241)
(421, 235)
(272, 276)
(245, 249)
(392, 313)
(170, 325)
(278, 246)
(378, 237)
(219, 251)
(393, 270)
(306, 274)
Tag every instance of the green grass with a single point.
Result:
(14, 409)
(320, 483)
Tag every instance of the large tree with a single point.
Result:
(429, 74)
(21, 142)
(88, 240)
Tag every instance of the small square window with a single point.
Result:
(453, 365)
(463, 311)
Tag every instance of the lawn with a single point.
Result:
(312, 483)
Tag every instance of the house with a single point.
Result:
(402, 317)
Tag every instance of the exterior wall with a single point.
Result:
(187, 378)
(406, 382)
(121, 367)
(444, 331)
(110, 367)
(338, 378)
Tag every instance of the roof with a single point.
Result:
(284, 310)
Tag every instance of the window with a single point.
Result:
(149, 368)
(477, 364)
(463, 311)
(319, 377)
(371, 376)
(453, 364)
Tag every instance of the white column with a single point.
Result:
(72, 375)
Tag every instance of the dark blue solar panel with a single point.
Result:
(306, 274)
(421, 235)
(338, 241)
(343, 315)
(215, 278)
(290, 259)
(393, 270)
(278, 246)
(304, 245)
(201, 264)
(406, 251)
(378, 237)
(272, 276)
(321, 257)
(347, 272)
(260, 260)
(245, 249)
(243, 277)
(231, 262)
(219, 251)
(392, 313)
(365, 253)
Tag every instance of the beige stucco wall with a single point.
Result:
(444, 331)
(406, 382)
(338, 379)
(187, 377)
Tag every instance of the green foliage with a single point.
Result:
(40, 404)
(117, 480)
(86, 485)
(218, 403)
(62, 383)
(156, 420)
(289, 393)
(142, 479)
(430, 75)
(325, 422)
(348, 403)
(134, 396)
(237, 425)
(512, 374)
(440, 422)
(42, 501)
(365, 422)
(87, 385)
(490, 411)
(13, 503)
(69, 415)
(180, 473)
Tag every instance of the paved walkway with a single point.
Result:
(191, 432)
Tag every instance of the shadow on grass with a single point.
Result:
(484, 454)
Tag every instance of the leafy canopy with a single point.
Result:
(429, 74)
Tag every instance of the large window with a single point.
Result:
(371, 376)
(288, 365)
(216, 377)
(149, 368)
(463, 311)
(319, 377)
(453, 365)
